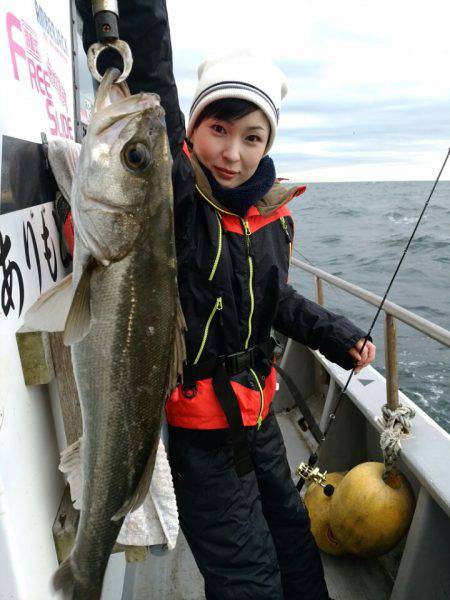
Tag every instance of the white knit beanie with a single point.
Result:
(240, 75)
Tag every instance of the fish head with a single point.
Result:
(125, 145)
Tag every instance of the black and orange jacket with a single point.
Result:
(232, 271)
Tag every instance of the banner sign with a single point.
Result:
(32, 257)
(36, 97)
(36, 80)
(36, 76)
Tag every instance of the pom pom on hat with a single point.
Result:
(240, 75)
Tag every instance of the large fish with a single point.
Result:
(125, 323)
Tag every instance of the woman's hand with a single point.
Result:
(367, 356)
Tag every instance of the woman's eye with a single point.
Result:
(218, 128)
(136, 156)
(253, 138)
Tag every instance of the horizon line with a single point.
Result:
(291, 179)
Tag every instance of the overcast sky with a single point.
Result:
(369, 81)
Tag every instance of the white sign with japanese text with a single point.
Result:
(36, 77)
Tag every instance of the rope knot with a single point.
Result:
(395, 422)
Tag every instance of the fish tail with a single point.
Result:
(64, 580)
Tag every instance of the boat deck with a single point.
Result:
(347, 577)
(174, 575)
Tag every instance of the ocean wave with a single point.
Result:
(330, 239)
(437, 392)
(420, 397)
(430, 311)
(348, 212)
(402, 219)
(439, 244)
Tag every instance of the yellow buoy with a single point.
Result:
(318, 505)
(368, 515)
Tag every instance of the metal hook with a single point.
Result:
(121, 47)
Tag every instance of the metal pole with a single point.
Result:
(419, 323)
(319, 291)
(319, 372)
(390, 351)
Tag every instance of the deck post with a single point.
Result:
(319, 373)
(390, 352)
(319, 291)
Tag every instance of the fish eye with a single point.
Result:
(136, 156)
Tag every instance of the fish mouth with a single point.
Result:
(146, 107)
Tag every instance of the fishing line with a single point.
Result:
(332, 415)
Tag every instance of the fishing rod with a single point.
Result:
(307, 471)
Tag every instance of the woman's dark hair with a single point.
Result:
(226, 109)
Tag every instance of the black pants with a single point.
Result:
(250, 536)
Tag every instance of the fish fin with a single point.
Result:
(139, 495)
(178, 355)
(78, 320)
(64, 579)
(70, 464)
(50, 310)
(63, 158)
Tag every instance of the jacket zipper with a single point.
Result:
(248, 245)
(217, 306)
(219, 248)
(261, 393)
(288, 236)
(212, 203)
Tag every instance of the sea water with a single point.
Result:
(358, 231)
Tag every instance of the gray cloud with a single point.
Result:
(391, 124)
(309, 161)
(393, 105)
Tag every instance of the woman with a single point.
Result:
(239, 508)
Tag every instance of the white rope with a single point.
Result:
(396, 422)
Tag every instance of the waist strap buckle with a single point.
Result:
(238, 362)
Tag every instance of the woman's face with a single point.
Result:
(231, 150)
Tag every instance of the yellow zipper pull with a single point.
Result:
(261, 393)
(219, 308)
(247, 233)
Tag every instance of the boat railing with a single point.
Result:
(392, 312)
